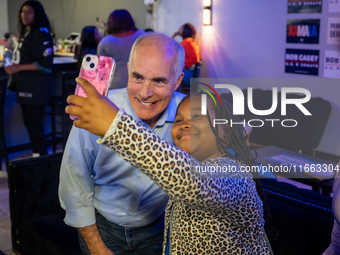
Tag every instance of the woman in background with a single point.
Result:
(192, 55)
(334, 247)
(121, 34)
(32, 68)
(89, 40)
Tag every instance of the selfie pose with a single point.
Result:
(207, 212)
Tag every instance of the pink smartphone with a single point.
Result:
(98, 70)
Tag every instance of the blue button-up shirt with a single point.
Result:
(93, 176)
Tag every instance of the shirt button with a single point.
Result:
(141, 176)
(130, 213)
(135, 196)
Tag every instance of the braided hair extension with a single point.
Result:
(236, 137)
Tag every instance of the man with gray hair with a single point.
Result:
(114, 206)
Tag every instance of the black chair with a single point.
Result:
(302, 218)
(57, 105)
(197, 69)
(36, 216)
(3, 147)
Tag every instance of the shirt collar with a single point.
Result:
(128, 107)
(169, 114)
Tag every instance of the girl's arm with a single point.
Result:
(171, 168)
(179, 175)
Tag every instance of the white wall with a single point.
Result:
(170, 15)
(247, 39)
(72, 15)
(3, 18)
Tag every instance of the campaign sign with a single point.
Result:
(333, 32)
(303, 31)
(334, 6)
(304, 6)
(332, 64)
(302, 61)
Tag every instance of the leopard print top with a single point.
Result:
(210, 215)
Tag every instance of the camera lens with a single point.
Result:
(88, 59)
(91, 65)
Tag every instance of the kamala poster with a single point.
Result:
(303, 31)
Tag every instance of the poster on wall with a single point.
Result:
(332, 64)
(333, 32)
(304, 6)
(334, 6)
(302, 61)
(303, 31)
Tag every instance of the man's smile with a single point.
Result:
(146, 103)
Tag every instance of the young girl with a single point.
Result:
(206, 214)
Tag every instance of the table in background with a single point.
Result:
(63, 54)
(266, 157)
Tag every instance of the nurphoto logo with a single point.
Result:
(239, 104)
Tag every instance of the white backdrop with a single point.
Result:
(247, 39)
(3, 18)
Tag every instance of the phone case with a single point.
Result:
(98, 70)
